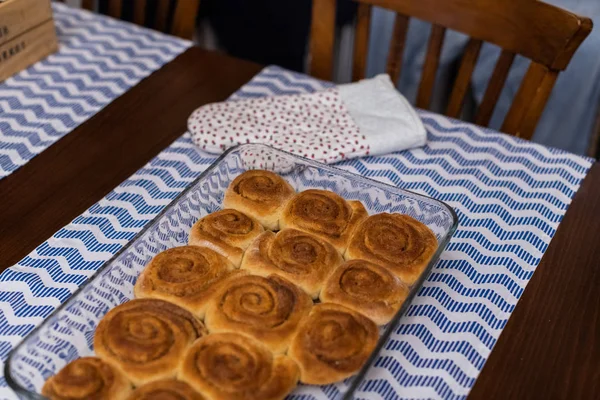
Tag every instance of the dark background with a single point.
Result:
(266, 31)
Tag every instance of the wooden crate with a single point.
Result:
(27, 34)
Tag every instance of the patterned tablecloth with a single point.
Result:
(98, 60)
(510, 196)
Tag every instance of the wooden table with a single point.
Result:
(551, 345)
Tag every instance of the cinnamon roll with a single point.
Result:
(268, 309)
(395, 241)
(228, 232)
(302, 258)
(87, 378)
(260, 194)
(230, 366)
(146, 338)
(325, 214)
(366, 288)
(332, 344)
(166, 389)
(186, 276)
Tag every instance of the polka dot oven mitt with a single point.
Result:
(349, 121)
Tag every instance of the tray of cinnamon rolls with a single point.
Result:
(270, 275)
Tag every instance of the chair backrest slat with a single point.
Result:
(543, 33)
(394, 61)
(183, 25)
(463, 78)
(494, 88)
(432, 60)
(536, 107)
(523, 103)
(361, 41)
(162, 15)
(323, 28)
(114, 8)
(87, 4)
(139, 12)
(530, 84)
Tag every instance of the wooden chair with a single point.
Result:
(176, 17)
(547, 35)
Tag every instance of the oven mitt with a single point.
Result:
(369, 117)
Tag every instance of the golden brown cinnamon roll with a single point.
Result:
(260, 194)
(395, 241)
(166, 389)
(186, 276)
(146, 338)
(230, 366)
(325, 214)
(332, 344)
(366, 288)
(268, 309)
(228, 232)
(87, 378)
(302, 258)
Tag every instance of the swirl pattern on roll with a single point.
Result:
(266, 308)
(186, 276)
(302, 258)
(325, 214)
(366, 288)
(397, 242)
(87, 378)
(166, 389)
(260, 194)
(146, 338)
(228, 232)
(230, 366)
(332, 344)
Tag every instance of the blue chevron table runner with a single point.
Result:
(98, 60)
(510, 196)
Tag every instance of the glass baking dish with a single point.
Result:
(68, 332)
